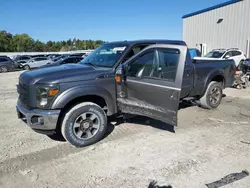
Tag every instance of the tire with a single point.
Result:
(78, 128)
(26, 67)
(3, 69)
(214, 90)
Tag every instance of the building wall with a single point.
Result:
(232, 32)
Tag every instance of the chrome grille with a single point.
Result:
(23, 93)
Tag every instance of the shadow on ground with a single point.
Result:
(145, 121)
(59, 137)
(153, 184)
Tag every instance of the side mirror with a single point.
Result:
(121, 73)
(227, 56)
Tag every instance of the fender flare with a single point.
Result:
(209, 78)
(65, 97)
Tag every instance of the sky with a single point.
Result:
(108, 20)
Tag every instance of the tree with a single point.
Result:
(6, 44)
(24, 43)
(39, 46)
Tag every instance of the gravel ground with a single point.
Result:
(207, 145)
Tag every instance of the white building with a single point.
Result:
(226, 25)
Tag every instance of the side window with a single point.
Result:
(76, 60)
(3, 59)
(136, 49)
(142, 66)
(169, 59)
(24, 58)
(230, 54)
(37, 59)
(236, 53)
(67, 61)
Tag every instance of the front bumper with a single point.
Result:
(42, 121)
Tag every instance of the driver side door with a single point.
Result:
(150, 84)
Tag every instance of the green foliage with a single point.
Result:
(24, 43)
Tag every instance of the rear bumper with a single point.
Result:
(42, 121)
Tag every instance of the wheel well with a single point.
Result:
(88, 98)
(220, 79)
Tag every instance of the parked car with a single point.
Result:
(66, 60)
(21, 59)
(35, 63)
(148, 78)
(245, 67)
(231, 53)
(6, 64)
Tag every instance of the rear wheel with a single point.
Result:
(84, 124)
(213, 96)
(3, 69)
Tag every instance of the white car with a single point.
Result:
(232, 53)
(35, 63)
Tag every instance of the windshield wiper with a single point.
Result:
(91, 64)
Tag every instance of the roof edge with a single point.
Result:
(211, 8)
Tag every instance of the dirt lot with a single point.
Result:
(206, 146)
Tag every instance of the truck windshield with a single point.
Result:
(214, 54)
(105, 56)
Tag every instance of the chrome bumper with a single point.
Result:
(38, 119)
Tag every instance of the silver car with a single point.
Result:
(36, 63)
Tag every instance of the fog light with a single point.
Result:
(37, 120)
(41, 120)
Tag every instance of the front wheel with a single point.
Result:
(213, 96)
(26, 67)
(3, 69)
(84, 124)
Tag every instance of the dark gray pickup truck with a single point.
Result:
(147, 77)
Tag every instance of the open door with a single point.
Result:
(149, 84)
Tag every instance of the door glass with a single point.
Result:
(168, 64)
(2, 59)
(229, 54)
(24, 58)
(136, 49)
(142, 66)
(38, 59)
(69, 60)
(236, 53)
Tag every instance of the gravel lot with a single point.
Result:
(206, 146)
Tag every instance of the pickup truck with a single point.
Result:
(146, 77)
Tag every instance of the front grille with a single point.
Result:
(23, 86)
(23, 91)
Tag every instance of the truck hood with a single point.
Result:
(62, 74)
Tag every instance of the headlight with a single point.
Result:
(45, 95)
